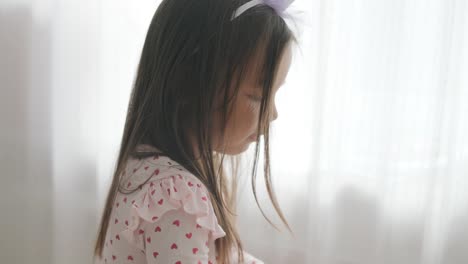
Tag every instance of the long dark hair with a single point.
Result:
(192, 55)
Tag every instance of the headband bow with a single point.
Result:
(278, 5)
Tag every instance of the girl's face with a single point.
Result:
(242, 124)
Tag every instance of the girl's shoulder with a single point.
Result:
(139, 171)
(163, 185)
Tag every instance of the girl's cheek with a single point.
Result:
(251, 106)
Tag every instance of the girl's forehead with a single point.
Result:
(253, 73)
(285, 64)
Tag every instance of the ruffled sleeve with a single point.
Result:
(179, 195)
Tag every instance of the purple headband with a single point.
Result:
(279, 5)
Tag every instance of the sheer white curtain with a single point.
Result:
(49, 80)
(371, 148)
(370, 157)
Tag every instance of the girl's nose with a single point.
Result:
(275, 114)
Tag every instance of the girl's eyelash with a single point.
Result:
(256, 98)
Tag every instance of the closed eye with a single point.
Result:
(255, 98)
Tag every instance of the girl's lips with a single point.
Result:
(253, 137)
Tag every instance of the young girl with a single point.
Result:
(205, 88)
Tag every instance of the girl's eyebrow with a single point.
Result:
(260, 87)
